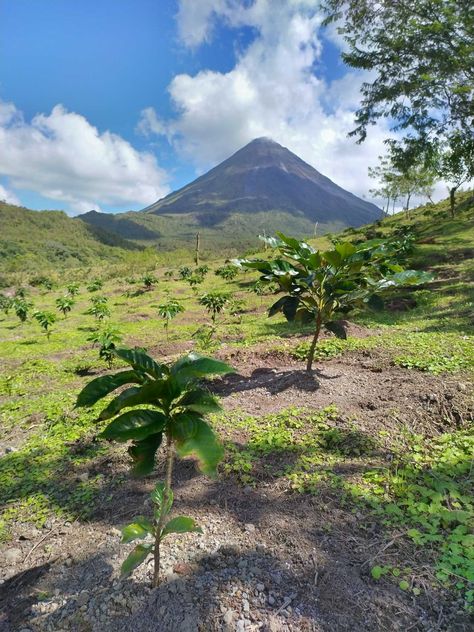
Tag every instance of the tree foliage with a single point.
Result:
(421, 56)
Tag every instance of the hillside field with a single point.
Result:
(345, 498)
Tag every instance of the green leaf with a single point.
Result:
(377, 572)
(118, 402)
(165, 389)
(337, 328)
(138, 359)
(194, 436)
(181, 524)
(286, 304)
(136, 557)
(193, 366)
(404, 585)
(345, 249)
(102, 386)
(200, 401)
(135, 425)
(143, 454)
(137, 529)
(332, 257)
(158, 495)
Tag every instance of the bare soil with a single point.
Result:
(269, 559)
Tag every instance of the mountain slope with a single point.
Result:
(30, 239)
(264, 176)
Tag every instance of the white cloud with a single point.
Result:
(63, 157)
(273, 90)
(8, 196)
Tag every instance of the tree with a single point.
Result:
(421, 56)
(320, 287)
(176, 407)
(169, 310)
(405, 181)
(65, 304)
(456, 165)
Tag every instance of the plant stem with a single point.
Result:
(163, 514)
(314, 342)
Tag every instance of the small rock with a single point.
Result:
(229, 617)
(271, 600)
(260, 587)
(240, 627)
(13, 556)
(250, 528)
(461, 387)
(245, 605)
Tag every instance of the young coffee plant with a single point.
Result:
(72, 289)
(185, 272)
(202, 270)
(65, 304)
(95, 285)
(173, 410)
(107, 339)
(149, 280)
(194, 281)
(169, 310)
(321, 287)
(99, 308)
(215, 303)
(227, 272)
(21, 307)
(169, 274)
(45, 320)
(6, 303)
(205, 338)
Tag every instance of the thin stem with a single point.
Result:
(166, 494)
(309, 364)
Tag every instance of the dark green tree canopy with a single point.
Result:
(422, 54)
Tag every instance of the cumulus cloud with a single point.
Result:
(275, 89)
(8, 196)
(63, 157)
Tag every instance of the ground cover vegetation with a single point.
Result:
(372, 452)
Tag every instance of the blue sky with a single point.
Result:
(111, 104)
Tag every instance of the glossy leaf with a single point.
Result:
(138, 359)
(102, 386)
(181, 524)
(135, 425)
(136, 557)
(158, 496)
(119, 402)
(194, 365)
(200, 401)
(194, 436)
(143, 454)
(138, 529)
